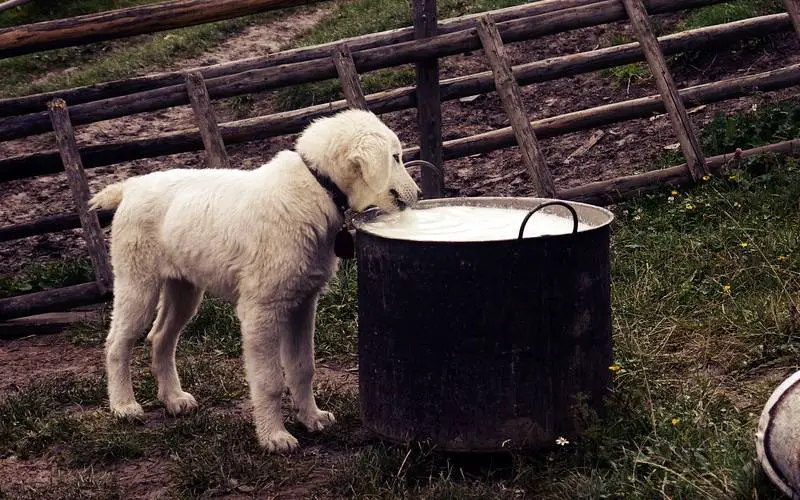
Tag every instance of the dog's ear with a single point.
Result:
(371, 155)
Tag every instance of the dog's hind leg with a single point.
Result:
(134, 304)
(262, 328)
(297, 356)
(178, 304)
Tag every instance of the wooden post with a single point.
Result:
(429, 103)
(690, 146)
(71, 158)
(511, 97)
(793, 8)
(206, 121)
(348, 77)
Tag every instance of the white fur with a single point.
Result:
(262, 239)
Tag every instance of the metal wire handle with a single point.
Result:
(423, 163)
(547, 204)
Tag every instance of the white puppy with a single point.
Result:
(262, 239)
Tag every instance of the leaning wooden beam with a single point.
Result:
(50, 224)
(52, 300)
(128, 22)
(366, 60)
(78, 95)
(626, 187)
(511, 97)
(79, 185)
(216, 156)
(793, 8)
(348, 77)
(44, 324)
(429, 109)
(45, 163)
(681, 123)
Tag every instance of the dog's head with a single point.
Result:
(363, 157)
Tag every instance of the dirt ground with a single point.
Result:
(624, 148)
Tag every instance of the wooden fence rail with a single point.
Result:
(78, 95)
(599, 193)
(342, 61)
(48, 162)
(122, 23)
(544, 128)
(258, 80)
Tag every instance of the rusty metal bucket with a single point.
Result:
(485, 346)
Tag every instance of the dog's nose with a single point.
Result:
(402, 205)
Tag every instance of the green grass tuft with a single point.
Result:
(728, 12)
(53, 274)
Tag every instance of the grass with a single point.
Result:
(369, 16)
(53, 274)
(628, 74)
(704, 282)
(728, 12)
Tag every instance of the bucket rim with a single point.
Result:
(605, 216)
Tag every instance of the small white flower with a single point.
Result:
(754, 107)
(636, 217)
(562, 441)
(670, 199)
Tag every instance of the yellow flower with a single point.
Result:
(689, 206)
(732, 178)
(781, 258)
(674, 193)
(726, 288)
(675, 421)
(743, 244)
(615, 367)
(706, 177)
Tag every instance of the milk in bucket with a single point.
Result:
(467, 223)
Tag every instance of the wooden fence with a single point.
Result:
(423, 45)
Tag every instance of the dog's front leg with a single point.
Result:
(297, 356)
(262, 328)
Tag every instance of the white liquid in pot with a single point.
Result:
(463, 223)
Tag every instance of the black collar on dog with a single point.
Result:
(336, 194)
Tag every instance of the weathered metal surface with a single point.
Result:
(483, 346)
(778, 437)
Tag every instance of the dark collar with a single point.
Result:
(336, 194)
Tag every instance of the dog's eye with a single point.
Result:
(396, 157)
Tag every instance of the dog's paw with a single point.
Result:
(318, 420)
(128, 411)
(180, 403)
(279, 442)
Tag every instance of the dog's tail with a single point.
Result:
(109, 197)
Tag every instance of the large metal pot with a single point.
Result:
(484, 346)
